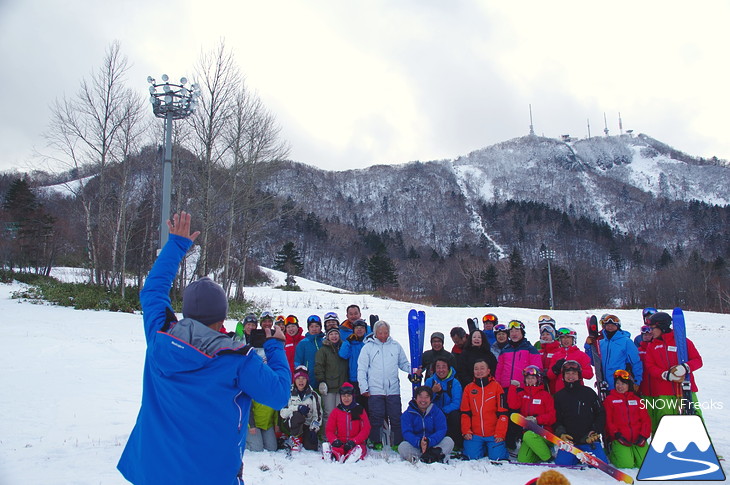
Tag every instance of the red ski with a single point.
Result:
(584, 457)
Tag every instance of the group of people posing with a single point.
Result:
(346, 390)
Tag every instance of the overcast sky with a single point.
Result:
(357, 83)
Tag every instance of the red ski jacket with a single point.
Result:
(661, 356)
(626, 415)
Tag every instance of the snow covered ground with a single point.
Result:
(70, 388)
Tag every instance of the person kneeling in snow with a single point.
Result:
(424, 430)
(627, 423)
(537, 405)
(303, 415)
(347, 428)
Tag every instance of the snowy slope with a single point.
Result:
(71, 387)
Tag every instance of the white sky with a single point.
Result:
(355, 83)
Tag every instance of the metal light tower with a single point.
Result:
(172, 102)
(548, 254)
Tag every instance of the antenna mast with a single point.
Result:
(620, 124)
(589, 127)
(532, 130)
(605, 124)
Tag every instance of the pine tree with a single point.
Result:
(517, 274)
(381, 270)
(289, 261)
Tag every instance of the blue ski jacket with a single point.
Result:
(196, 391)
(416, 425)
(305, 352)
(619, 352)
(449, 398)
(350, 350)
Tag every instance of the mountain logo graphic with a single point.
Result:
(681, 450)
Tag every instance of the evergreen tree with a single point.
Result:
(289, 261)
(381, 270)
(517, 274)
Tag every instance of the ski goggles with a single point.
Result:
(489, 318)
(542, 319)
(331, 316)
(646, 329)
(291, 320)
(500, 327)
(648, 311)
(532, 370)
(280, 320)
(571, 366)
(607, 319)
(250, 319)
(314, 319)
(622, 374)
(267, 315)
(516, 324)
(566, 332)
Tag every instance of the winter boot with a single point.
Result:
(295, 443)
(326, 451)
(353, 456)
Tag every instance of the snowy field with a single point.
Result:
(71, 386)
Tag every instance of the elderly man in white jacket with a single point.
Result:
(377, 375)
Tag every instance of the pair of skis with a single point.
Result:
(584, 457)
(684, 388)
(416, 335)
(601, 383)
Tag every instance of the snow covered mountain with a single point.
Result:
(634, 184)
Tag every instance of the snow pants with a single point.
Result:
(381, 407)
(410, 453)
(565, 458)
(261, 439)
(481, 446)
(534, 448)
(628, 456)
(453, 428)
(329, 402)
(667, 405)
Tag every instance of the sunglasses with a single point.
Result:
(489, 318)
(516, 324)
(621, 374)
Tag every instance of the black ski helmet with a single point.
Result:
(661, 320)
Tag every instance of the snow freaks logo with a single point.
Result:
(681, 450)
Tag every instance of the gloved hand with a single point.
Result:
(303, 409)
(322, 389)
(531, 418)
(349, 444)
(515, 383)
(679, 370)
(566, 437)
(557, 367)
(668, 376)
(640, 441)
(337, 444)
(414, 378)
(592, 437)
(433, 455)
(620, 438)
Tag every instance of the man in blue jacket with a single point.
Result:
(617, 351)
(447, 393)
(424, 430)
(198, 383)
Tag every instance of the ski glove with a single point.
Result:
(531, 418)
(668, 376)
(303, 410)
(414, 378)
(558, 366)
(679, 370)
(349, 444)
(620, 438)
(433, 455)
(337, 444)
(323, 388)
(515, 383)
(566, 437)
(592, 437)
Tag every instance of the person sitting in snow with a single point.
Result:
(302, 416)
(535, 404)
(424, 430)
(347, 429)
(628, 424)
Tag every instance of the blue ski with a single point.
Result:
(684, 389)
(416, 330)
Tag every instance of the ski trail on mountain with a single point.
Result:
(476, 219)
(711, 468)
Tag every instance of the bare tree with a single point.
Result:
(220, 81)
(86, 130)
(253, 136)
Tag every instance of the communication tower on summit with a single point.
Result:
(588, 120)
(605, 124)
(532, 130)
(620, 125)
